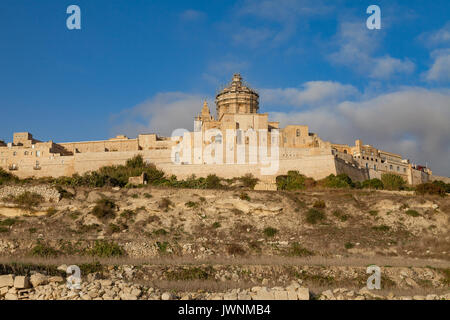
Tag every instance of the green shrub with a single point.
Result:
(147, 195)
(235, 250)
(213, 182)
(298, 251)
(392, 181)
(162, 246)
(339, 181)
(6, 177)
(8, 222)
(412, 213)
(51, 211)
(249, 181)
(191, 204)
(27, 200)
(104, 209)
(114, 228)
(319, 204)
(190, 273)
(381, 228)
(340, 215)
(128, 214)
(244, 196)
(373, 212)
(373, 184)
(160, 232)
(442, 184)
(44, 251)
(431, 188)
(348, 245)
(270, 232)
(105, 249)
(3, 229)
(313, 216)
(292, 181)
(216, 225)
(63, 193)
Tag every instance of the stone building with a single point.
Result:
(239, 140)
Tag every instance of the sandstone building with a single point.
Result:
(233, 140)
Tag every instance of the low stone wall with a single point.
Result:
(48, 193)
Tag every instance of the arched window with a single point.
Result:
(345, 151)
(218, 138)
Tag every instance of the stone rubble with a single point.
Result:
(41, 287)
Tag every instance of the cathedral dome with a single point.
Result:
(237, 98)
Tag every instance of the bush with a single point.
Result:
(382, 228)
(27, 200)
(43, 250)
(313, 216)
(244, 196)
(213, 182)
(319, 204)
(431, 188)
(392, 181)
(340, 215)
(349, 245)
(270, 232)
(249, 181)
(216, 225)
(160, 232)
(235, 250)
(8, 222)
(443, 185)
(6, 177)
(373, 184)
(339, 181)
(104, 209)
(292, 181)
(105, 249)
(298, 251)
(412, 213)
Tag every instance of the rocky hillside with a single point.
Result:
(207, 244)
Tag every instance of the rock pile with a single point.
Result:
(42, 287)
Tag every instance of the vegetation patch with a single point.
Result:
(270, 232)
(313, 216)
(412, 213)
(104, 209)
(105, 249)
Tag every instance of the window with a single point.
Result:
(367, 165)
(404, 169)
(298, 133)
(375, 167)
(25, 153)
(218, 138)
(38, 153)
(284, 139)
(390, 167)
(398, 168)
(14, 153)
(345, 151)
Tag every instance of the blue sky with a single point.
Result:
(146, 66)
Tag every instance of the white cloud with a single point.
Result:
(440, 70)
(438, 37)
(412, 121)
(311, 93)
(357, 47)
(161, 114)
